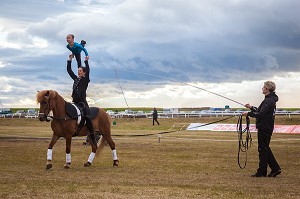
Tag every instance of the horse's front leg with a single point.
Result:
(49, 152)
(68, 152)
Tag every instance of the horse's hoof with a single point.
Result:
(116, 163)
(87, 164)
(67, 165)
(48, 166)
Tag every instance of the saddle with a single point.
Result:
(77, 112)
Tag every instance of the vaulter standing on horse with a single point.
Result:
(79, 92)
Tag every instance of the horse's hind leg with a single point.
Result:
(113, 148)
(92, 142)
(49, 152)
(92, 154)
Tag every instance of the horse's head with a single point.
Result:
(47, 102)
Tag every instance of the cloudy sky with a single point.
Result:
(162, 51)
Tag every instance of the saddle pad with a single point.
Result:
(94, 112)
(72, 111)
(79, 113)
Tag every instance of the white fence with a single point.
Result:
(18, 116)
(182, 114)
(193, 114)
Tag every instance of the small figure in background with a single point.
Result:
(155, 116)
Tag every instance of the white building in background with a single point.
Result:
(170, 110)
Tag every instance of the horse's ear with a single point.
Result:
(37, 91)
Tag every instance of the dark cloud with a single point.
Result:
(176, 40)
(200, 41)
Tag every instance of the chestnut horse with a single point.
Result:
(64, 126)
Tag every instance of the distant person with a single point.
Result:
(265, 118)
(155, 116)
(76, 49)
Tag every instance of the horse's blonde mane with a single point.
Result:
(41, 95)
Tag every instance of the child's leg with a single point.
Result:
(78, 59)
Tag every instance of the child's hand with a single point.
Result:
(87, 58)
(70, 57)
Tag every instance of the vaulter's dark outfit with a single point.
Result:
(79, 92)
(265, 118)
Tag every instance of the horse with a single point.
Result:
(65, 126)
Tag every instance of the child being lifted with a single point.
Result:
(76, 49)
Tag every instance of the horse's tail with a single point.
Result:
(101, 145)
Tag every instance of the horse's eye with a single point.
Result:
(44, 102)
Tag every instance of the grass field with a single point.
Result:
(183, 164)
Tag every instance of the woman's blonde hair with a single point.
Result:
(271, 86)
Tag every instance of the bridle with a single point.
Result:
(46, 110)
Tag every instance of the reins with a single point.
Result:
(55, 118)
(246, 143)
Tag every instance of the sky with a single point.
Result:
(157, 53)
